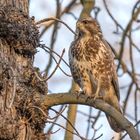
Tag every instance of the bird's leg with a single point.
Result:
(75, 89)
(79, 93)
(84, 93)
(96, 95)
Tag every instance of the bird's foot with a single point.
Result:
(94, 97)
(79, 93)
(89, 98)
(97, 96)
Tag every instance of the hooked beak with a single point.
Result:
(78, 25)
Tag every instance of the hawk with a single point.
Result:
(92, 65)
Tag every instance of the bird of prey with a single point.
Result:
(92, 65)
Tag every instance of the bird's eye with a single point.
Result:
(85, 21)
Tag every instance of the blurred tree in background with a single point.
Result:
(29, 93)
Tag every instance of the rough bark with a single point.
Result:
(21, 5)
(20, 114)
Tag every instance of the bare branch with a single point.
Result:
(53, 36)
(68, 122)
(56, 19)
(65, 129)
(112, 17)
(50, 51)
(127, 133)
(66, 10)
(57, 99)
(47, 78)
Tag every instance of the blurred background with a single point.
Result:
(120, 30)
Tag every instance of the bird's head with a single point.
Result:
(88, 26)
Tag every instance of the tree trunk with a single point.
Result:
(20, 90)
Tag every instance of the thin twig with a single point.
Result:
(89, 122)
(51, 127)
(59, 113)
(53, 37)
(127, 96)
(54, 131)
(112, 17)
(65, 129)
(47, 78)
(67, 9)
(98, 137)
(96, 118)
(45, 47)
(127, 29)
(56, 60)
(68, 122)
(136, 108)
(95, 131)
(40, 110)
(56, 19)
